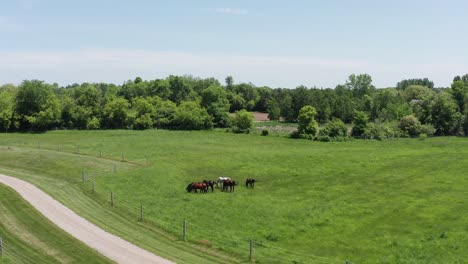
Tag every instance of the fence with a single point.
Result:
(244, 248)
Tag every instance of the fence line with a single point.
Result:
(78, 150)
(239, 246)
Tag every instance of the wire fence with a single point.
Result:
(73, 148)
(242, 247)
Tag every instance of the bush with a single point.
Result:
(427, 129)
(94, 123)
(360, 121)
(323, 138)
(264, 132)
(334, 128)
(381, 131)
(423, 136)
(243, 122)
(306, 120)
(295, 135)
(144, 122)
(410, 126)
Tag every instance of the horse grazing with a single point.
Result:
(250, 182)
(221, 180)
(209, 184)
(195, 186)
(229, 184)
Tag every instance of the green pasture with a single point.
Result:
(398, 201)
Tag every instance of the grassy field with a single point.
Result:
(28, 237)
(401, 201)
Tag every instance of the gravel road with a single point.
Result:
(109, 245)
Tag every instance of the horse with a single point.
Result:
(229, 184)
(221, 180)
(195, 186)
(210, 184)
(250, 182)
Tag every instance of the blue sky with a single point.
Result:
(274, 43)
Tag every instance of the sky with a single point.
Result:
(272, 43)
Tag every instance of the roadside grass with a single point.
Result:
(396, 201)
(59, 174)
(28, 237)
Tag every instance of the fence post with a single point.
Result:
(93, 186)
(83, 174)
(123, 157)
(251, 250)
(1, 247)
(112, 198)
(185, 230)
(141, 213)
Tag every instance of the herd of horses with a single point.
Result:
(226, 184)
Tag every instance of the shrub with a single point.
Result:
(427, 129)
(94, 123)
(360, 121)
(381, 131)
(334, 128)
(264, 132)
(243, 122)
(306, 120)
(423, 136)
(295, 134)
(323, 138)
(410, 126)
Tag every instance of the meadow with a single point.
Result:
(395, 201)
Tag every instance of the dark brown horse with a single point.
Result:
(229, 184)
(250, 182)
(195, 186)
(210, 184)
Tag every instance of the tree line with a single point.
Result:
(410, 108)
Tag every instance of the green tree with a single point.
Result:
(37, 105)
(214, 99)
(359, 123)
(243, 121)
(116, 113)
(273, 109)
(459, 91)
(306, 119)
(191, 116)
(360, 84)
(7, 106)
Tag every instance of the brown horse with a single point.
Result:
(229, 184)
(195, 186)
(250, 182)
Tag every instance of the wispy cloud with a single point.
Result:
(118, 65)
(229, 10)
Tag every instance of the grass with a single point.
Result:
(398, 201)
(29, 237)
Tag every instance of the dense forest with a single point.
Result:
(412, 108)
